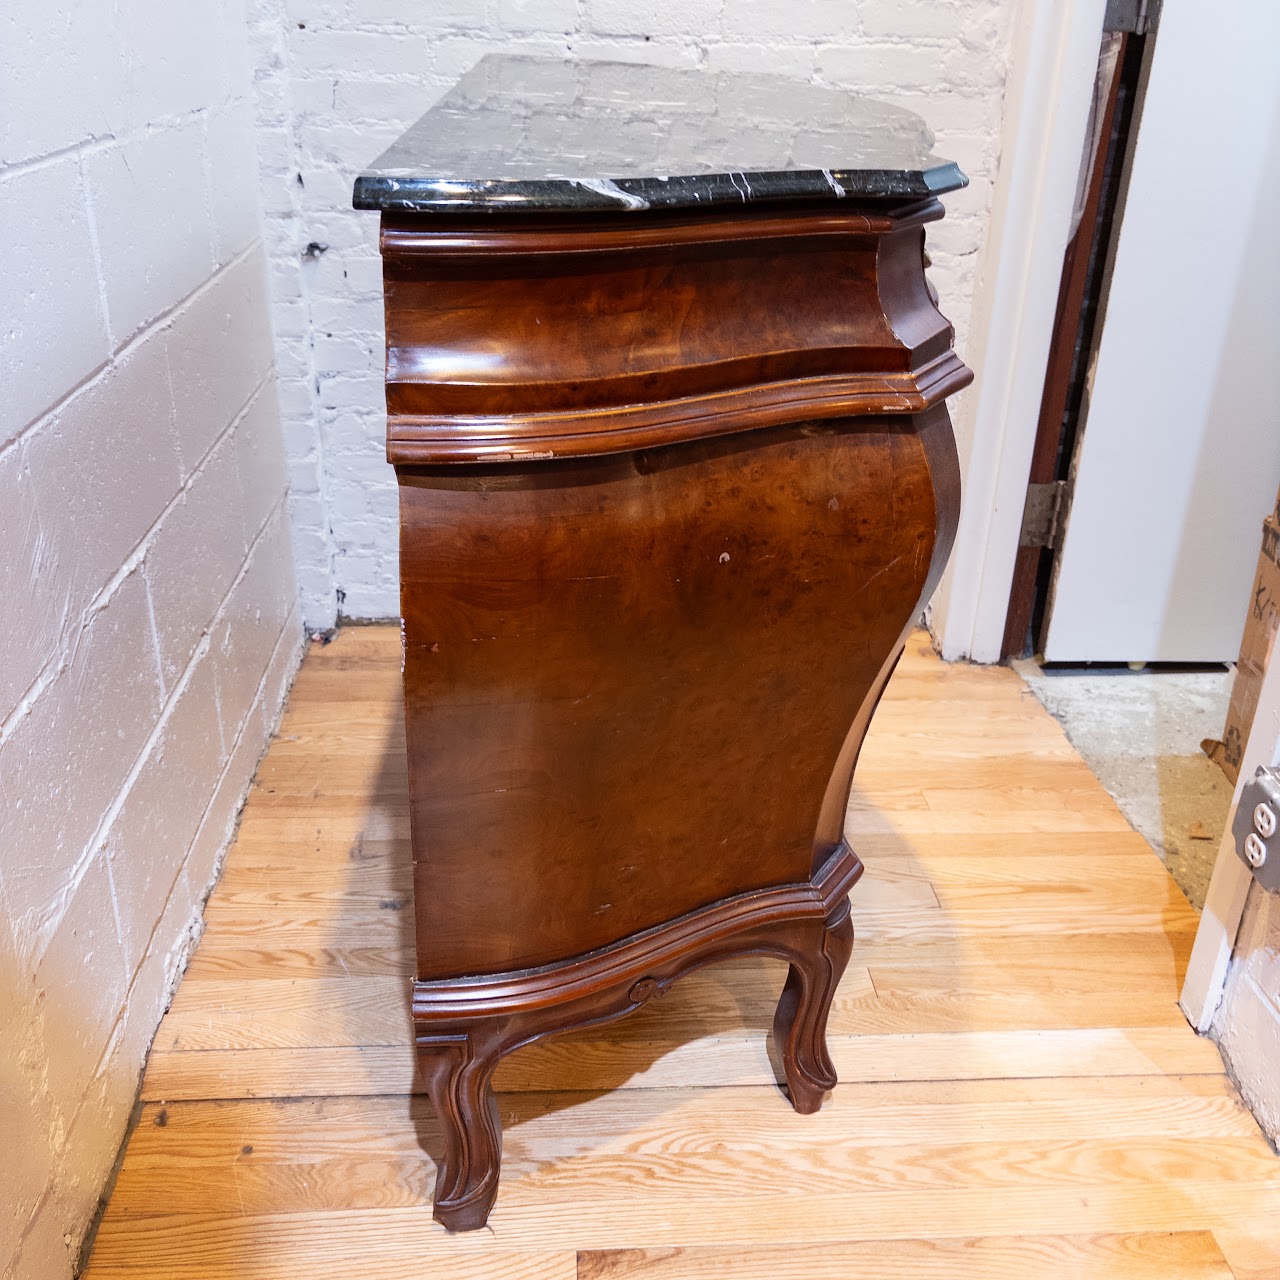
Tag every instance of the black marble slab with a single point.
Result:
(537, 135)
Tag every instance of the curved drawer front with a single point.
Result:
(519, 341)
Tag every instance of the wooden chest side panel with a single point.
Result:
(629, 679)
(577, 331)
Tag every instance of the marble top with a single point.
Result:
(540, 135)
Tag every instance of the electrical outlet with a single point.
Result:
(1264, 819)
(1254, 828)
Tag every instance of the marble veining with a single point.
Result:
(534, 134)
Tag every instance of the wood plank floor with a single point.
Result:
(1020, 1097)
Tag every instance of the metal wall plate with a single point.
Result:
(1255, 828)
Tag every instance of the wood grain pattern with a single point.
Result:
(710, 1060)
(1186, 1255)
(299, 1244)
(1252, 1251)
(1016, 1099)
(530, 337)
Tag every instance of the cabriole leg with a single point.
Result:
(458, 1073)
(800, 1024)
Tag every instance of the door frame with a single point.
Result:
(1047, 102)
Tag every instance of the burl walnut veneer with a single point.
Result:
(665, 392)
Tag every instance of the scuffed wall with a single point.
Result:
(1247, 1024)
(151, 625)
(337, 80)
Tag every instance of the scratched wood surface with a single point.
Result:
(1021, 1096)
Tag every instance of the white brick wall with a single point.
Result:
(151, 624)
(338, 79)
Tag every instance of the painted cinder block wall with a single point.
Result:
(337, 80)
(151, 624)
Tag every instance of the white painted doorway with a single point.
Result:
(1179, 460)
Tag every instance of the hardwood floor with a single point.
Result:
(1020, 1095)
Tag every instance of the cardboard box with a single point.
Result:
(1255, 649)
